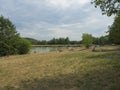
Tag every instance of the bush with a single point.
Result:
(87, 40)
(23, 46)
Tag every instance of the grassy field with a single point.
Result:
(66, 70)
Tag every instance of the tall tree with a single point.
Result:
(10, 41)
(87, 40)
(114, 30)
(108, 7)
(8, 37)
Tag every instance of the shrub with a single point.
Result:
(23, 46)
(87, 40)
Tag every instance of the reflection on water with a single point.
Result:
(46, 49)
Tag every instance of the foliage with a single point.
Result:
(87, 40)
(9, 38)
(33, 41)
(53, 41)
(108, 7)
(23, 46)
(103, 40)
(114, 30)
(59, 41)
(75, 42)
(43, 42)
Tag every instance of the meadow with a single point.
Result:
(79, 69)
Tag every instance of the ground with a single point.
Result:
(78, 69)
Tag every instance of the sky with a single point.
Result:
(45, 19)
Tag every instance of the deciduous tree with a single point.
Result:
(114, 30)
(9, 38)
(87, 40)
(108, 7)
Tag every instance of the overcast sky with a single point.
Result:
(45, 19)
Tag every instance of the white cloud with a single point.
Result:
(59, 32)
(42, 19)
(63, 4)
(95, 25)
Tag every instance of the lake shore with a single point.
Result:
(56, 45)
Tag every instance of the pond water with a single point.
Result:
(47, 49)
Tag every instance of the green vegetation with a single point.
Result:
(103, 40)
(8, 37)
(59, 41)
(33, 41)
(87, 40)
(54, 41)
(10, 41)
(108, 7)
(23, 46)
(68, 70)
(114, 30)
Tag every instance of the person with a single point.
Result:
(94, 48)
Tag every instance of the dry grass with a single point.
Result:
(67, 70)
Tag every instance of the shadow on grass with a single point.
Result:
(107, 49)
(82, 49)
(95, 80)
(107, 54)
(108, 58)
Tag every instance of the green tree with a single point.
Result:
(96, 40)
(62, 41)
(87, 40)
(8, 37)
(53, 41)
(67, 41)
(108, 7)
(114, 30)
(103, 40)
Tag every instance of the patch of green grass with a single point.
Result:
(67, 70)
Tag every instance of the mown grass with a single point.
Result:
(67, 70)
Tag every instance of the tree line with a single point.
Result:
(54, 41)
(88, 40)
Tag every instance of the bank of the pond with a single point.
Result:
(56, 45)
(49, 48)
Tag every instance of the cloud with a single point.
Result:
(64, 4)
(45, 19)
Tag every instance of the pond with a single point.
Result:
(37, 49)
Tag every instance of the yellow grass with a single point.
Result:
(66, 70)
